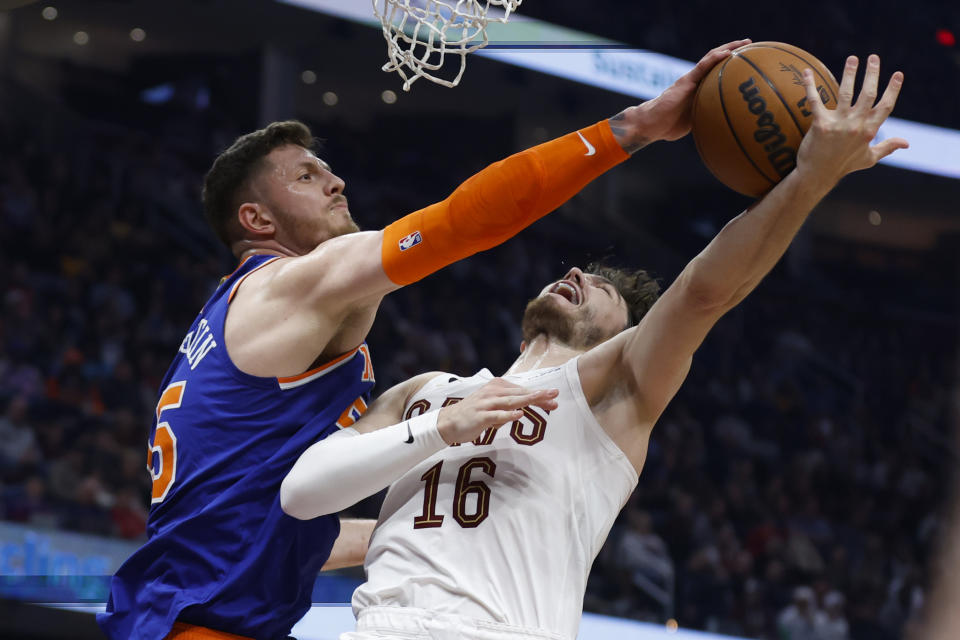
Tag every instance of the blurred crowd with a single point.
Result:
(791, 489)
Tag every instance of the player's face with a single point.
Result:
(580, 310)
(305, 197)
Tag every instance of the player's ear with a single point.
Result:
(523, 345)
(256, 219)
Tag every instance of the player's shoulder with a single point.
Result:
(444, 382)
(253, 272)
(418, 382)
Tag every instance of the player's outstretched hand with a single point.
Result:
(838, 141)
(492, 405)
(667, 117)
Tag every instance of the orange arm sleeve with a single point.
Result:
(495, 204)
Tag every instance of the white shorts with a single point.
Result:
(407, 623)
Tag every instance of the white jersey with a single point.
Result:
(504, 528)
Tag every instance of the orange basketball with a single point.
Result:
(750, 114)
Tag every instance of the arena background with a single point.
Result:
(801, 467)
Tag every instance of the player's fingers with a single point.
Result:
(868, 93)
(889, 99)
(544, 403)
(496, 419)
(519, 400)
(883, 149)
(714, 56)
(547, 393)
(702, 68)
(845, 97)
(813, 98)
(733, 44)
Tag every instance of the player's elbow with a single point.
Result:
(703, 290)
(293, 500)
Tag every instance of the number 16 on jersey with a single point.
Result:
(465, 488)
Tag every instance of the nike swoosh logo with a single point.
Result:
(590, 149)
(409, 439)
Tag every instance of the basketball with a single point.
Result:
(750, 114)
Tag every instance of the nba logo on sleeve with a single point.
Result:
(411, 240)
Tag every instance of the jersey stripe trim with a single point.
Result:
(242, 262)
(311, 375)
(230, 275)
(236, 284)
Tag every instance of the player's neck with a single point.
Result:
(543, 352)
(247, 249)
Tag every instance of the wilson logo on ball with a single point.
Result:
(782, 158)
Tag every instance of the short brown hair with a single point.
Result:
(232, 170)
(638, 288)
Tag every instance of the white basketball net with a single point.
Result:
(420, 33)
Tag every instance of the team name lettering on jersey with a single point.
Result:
(528, 431)
(352, 413)
(197, 344)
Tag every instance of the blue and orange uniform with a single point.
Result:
(220, 551)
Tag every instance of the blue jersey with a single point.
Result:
(220, 552)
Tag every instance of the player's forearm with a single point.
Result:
(350, 547)
(497, 203)
(748, 246)
(347, 467)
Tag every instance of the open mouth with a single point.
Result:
(567, 290)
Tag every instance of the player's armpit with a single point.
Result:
(646, 365)
(495, 204)
(350, 547)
